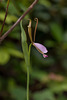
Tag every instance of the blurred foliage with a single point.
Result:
(48, 77)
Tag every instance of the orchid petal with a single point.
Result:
(41, 47)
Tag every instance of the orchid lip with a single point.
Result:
(45, 56)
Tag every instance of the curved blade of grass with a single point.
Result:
(24, 45)
(26, 55)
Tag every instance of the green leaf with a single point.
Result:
(47, 3)
(4, 57)
(58, 87)
(40, 76)
(13, 9)
(62, 97)
(57, 32)
(44, 95)
(9, 19)
(25, 46)
(18, 93)
(14, 52)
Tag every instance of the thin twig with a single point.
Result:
(4, 18)
(6, 34)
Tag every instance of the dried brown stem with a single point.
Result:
(6, 34)
(30, 31)
(4, 18)
(36, 19)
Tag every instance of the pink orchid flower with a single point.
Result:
(42, 49)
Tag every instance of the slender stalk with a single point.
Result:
(28, 83)
(28, 70)
(17, 22)
(30, 49)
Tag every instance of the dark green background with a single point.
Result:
(48, 77)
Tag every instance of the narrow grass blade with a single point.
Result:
(24, 45)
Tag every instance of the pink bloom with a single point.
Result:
(42, 49)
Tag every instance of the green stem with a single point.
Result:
(28, 74)
(27, 83)
(29, 50)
